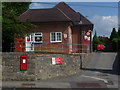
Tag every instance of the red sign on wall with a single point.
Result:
(87, 37)
(57, 60)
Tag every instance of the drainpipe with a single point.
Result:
(91, 46)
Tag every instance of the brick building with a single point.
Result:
(59, 30)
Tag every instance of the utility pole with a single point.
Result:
(118, 43)
(119, 14)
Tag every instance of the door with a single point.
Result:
(29, 44)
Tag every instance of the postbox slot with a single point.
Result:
(23, 57)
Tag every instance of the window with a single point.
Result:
(83, 32)
(56, 37)
(37, 37)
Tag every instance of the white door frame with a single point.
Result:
(29, 45)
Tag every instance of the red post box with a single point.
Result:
(23, 62)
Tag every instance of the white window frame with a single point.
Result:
(56, 39)
(34, 35)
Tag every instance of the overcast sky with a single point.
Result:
(104, 15)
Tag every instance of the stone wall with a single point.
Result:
(0, 67)
(11, 67)
(40, 66)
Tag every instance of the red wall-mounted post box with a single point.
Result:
(24, 62)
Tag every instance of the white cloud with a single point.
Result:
(104, 24)
(38, 5)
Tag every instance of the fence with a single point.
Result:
(49, 47)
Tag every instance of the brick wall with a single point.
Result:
(46, 28)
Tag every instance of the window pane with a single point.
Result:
(59, 36)
(52, 36)
(38, 34)
(38, 38)
(83, 32)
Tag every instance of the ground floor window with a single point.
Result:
(56, 37)
(37, 37)
(31, 39)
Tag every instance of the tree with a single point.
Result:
(96, 41)
(114, 37)
(104, 40)
(11, 25)
(119, 32)
(119, 39)
(114, 34)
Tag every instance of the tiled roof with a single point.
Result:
(61, 12)
(43, 15)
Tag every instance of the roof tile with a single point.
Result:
(61, 12)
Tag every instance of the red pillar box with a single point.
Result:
(23, 62)
(57, 60)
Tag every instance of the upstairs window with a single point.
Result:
(56, 37)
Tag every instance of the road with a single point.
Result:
(102, 69)
(101, 72)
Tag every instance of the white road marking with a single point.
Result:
(96, 72)
(95, 78)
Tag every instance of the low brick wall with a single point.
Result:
(40, 66)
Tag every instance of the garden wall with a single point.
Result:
(40, 66)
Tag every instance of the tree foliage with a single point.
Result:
(114, 34)
(95, 41)
(119, 32)
(119, 39)
(11, 25)
(111, 44)
(114, 38)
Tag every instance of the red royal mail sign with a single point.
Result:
(57, 60)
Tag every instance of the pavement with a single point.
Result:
(0, 75)
(101, 72)
(55, 84)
